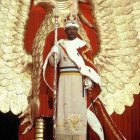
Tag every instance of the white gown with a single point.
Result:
(71, 102)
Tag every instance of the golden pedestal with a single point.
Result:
(39, 129)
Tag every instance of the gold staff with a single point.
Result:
(55, 76)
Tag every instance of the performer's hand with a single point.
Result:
(88, 83)
(54, 55)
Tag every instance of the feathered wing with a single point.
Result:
(118, 61)
(15, 75)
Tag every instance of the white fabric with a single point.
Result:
(71, 23)
(95, 124)
(75, 44)
(71, 104)
(71, 49)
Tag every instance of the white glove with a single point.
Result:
(55, 49)
(88, 83)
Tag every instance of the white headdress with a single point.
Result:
(71, 20)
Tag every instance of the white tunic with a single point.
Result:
(71, 103)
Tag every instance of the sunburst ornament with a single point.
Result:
(73, 123)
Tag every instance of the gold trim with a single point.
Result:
(39, 135)
(108, 122)
(39, 138)
(70, 73)
(84, 36)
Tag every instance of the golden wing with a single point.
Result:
(45, 28)
(15, 77)
(118, 61)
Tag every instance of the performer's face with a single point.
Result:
(71, 32)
